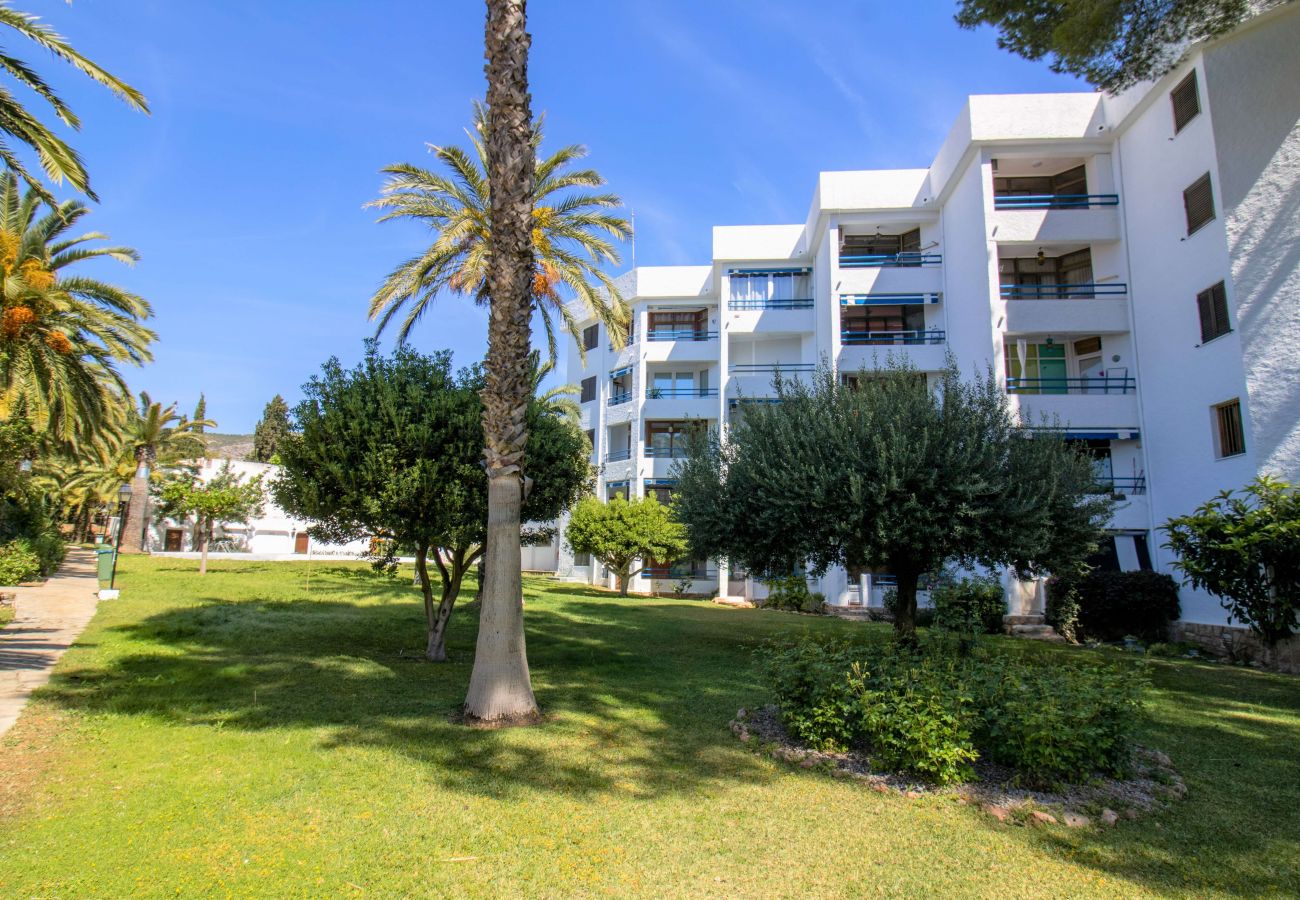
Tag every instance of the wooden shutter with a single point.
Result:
(1232, 439)
(589, 389)
(1186, 101)
(590, 337)
(1212, 307)
(1198, 201)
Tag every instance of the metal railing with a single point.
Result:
(665, 452)
(1053, 201)
(667, 393)
(620, 398)
(768, 303)
(888, 299)
(663, 335)
(1088, 384)
(676, 572)
(884, 260)
(770, 368)
(618, 455)
(933, 336)
(1062, 291)
(1136, 484)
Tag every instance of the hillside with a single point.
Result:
(229, 446)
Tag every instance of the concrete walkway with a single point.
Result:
(47, 620)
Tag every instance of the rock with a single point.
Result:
(913, 795)
(808, 762)
(1160, 759)
(1075, 820)
(741, 713)
(1042, 818)
(1130, 813)
(745, 736)
(861, 776)
(880, 787)
(962, 800)
(1109, 817)
(1178, 789)
(837, 772)
(998, 812)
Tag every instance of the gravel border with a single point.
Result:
(1153, 785)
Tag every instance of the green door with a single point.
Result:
(1051, 368)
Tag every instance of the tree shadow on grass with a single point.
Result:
(636, 704)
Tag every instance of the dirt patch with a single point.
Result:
(1153, 784)
(27, 752)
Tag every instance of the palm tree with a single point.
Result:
(557, 401)
(155, 433)
(573, 233)
(57, 159)
(61, 336)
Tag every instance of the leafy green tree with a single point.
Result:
(393, 448)
(271, 430)
(57, 159)
(621, 532)
(1114, 44)
(221, 500)
(1244, 548)
(889, 473)
(62, 335)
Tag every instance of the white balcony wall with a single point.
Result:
(1043, 226)
(1078, 411)
(1097, 316)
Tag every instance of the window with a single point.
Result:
(1212, 305)
(685, 325)
(883, 245)
(1070, 182)
(589, 389)
(669, 439)
(1198, 201)
(880, 324)
(1029, 278)
(590, 337)
(1232, 438)
(591, 438)
(582, 559)
(777, 288)
(1186, 102)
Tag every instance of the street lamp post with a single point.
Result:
(123, 498)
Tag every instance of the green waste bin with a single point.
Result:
(104, 565)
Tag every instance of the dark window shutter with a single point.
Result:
(589, 389)
(1186, 101)
(1212, 307)
(590, 337)
(1232, 437)
(1198, 201)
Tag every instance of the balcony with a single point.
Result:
(752, 305)
(889, 260)
(678, 572)
(1127, 486)
(654, 393)
(618, 455)
(1053, 201)
(664, 335)
(674, 452)
(931, 336)
(620, 398)
(770, 368)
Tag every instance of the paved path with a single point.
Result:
(47, 620)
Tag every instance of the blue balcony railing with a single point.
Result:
(665, 452)
(886, 260)
(618, 455)
(888, 299)
(933, 336)
(1062, 291)
(1128, 485)
(1089, 384)
(767, 303)
(770, 368)
(1054, 201)
(620, 398)
(679, 571)
(667, 393)
(663, 335)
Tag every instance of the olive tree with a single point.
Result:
(221, 500)
(621, 532)
(393, 448)
(890, 472)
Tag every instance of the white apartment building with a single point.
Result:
(1128, 264)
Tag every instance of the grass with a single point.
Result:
(266, 731)
(6, 615)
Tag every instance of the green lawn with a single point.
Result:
(264, 731)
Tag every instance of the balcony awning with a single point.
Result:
(619, 373)
(771, 271)
(660, 483)
(1096, 434)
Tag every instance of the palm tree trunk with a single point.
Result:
(205, 538)
(136, 512)
(500, 691)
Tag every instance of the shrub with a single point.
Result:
(1115, 604)
(930, 714)
(1062, 607)
(790, 592)
(969, 606)
(19, 562)
(49, 549)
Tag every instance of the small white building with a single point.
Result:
(1129, 264)
(273, 535)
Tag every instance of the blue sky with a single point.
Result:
(244, 189)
